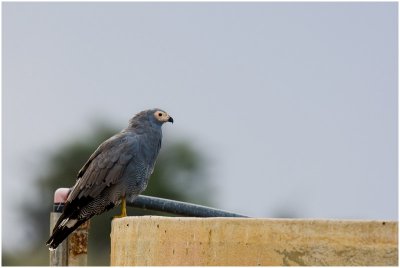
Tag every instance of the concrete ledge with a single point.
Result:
(157, 241)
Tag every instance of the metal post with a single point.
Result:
(58, 257)
(73, 250)
(78, 245)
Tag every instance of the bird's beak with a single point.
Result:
(170, 119)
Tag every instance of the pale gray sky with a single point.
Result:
(294, 103)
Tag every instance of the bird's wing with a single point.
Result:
(104, 167)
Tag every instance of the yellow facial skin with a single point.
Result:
(163, 117)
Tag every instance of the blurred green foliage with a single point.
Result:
(179, 174)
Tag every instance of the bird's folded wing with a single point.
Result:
(105, 166)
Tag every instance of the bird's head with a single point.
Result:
(160, 116)
(155, 117)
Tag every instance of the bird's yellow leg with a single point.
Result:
(123, 209)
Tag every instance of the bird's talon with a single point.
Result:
(123, 209)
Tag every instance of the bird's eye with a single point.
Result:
(160, 114)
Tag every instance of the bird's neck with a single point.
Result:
(147, 129)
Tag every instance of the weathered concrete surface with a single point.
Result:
(157, 241)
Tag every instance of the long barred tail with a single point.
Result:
(61, 230)
(75, 213)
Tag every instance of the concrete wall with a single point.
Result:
(152, 240)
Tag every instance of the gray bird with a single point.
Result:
(117, 171)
